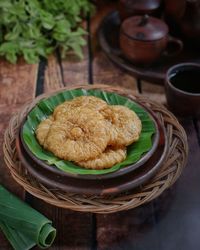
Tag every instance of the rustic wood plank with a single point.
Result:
(122, 230)
(75, 71)
(74, 230)
(171, 223)
(5, 177)
(126, 233)
(153, 91)
(17, 83)
(104, 71)
(4, 243)
(103, 9)
(53, 75)
(17, 86)
(178, 224)
(133, 229)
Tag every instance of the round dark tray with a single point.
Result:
(109, 40)
(111, 186)
(120, 172)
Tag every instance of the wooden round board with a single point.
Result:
(120, 172)
(109, 41)
(97, 187)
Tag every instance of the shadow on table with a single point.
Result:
(136, 228)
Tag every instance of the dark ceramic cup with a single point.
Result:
(182, 86)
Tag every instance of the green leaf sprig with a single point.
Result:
(35, 28)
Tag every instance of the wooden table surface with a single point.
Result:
(171, 222)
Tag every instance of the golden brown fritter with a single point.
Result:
(90, 132)
(61, 109)
(78, 136)
(126, 125)
(43, 129)
(107, 159)
(90, 102)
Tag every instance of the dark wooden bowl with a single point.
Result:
(127, 169)
(98, 187)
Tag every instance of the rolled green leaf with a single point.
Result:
(23, 226)
(45, 108)
(16, 239)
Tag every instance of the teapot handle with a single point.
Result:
(174, 47)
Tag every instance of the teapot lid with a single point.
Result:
(144, 28)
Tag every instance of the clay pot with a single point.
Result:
(129, 8)
(143, 39)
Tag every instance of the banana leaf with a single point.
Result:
(16, 239)
(23, 226)
(46, 107)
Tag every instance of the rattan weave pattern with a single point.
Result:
(174, 163)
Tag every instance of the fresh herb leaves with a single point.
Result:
(34, 28)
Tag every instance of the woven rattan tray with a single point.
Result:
(170, 171)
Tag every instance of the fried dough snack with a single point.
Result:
(90, 102)
(90, 132)
(126, 125)
(107, 159)
(80, 135)
(43, 129)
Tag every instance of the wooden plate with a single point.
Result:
(109, 41)
(120, 172)
(111, 186)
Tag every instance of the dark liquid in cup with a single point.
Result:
(187, 80)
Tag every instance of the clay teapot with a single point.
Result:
(143, 39)
(129, 8)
